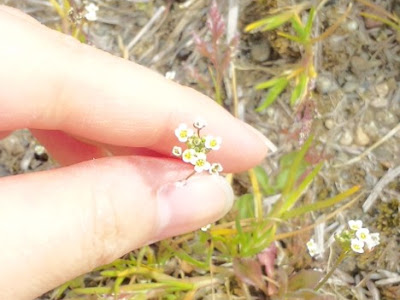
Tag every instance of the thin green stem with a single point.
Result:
(340, 259)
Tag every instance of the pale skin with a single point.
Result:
(110, 124)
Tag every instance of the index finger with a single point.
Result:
(51, 81)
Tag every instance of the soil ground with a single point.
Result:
(357, 103)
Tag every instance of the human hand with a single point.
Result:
(82, 103)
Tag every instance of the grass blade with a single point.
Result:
(320, 204)
(273, 93)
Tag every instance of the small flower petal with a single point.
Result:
(363, 234)
(215, 169)
(183, 133)
(200, 124)
(373, 240)
(213, 143)
(189, 156)
(91, 12)
(312, 248)
(201, 164)
(355, 224)
(357, 245)
(177, 151)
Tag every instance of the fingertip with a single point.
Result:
(190, 204)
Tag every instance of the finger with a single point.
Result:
(67, 221)
(65, 149)
(68, 150)
(85, 92)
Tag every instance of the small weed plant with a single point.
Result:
(301, 32)
(74, 17)
(238, 256)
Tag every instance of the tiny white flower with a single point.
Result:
(91, 12)
(355, 224)
(183, 133)
(201, 164)
(170, 75)
(215, 169)
(312, 248)
(363, 234)
(205, 228)
(177, 151)
(200, 124)
(189, 156)
(373, 240)
(213, 143)
(357, 245)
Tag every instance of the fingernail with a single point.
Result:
(271, 146)
(188, 205)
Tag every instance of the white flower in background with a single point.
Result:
(374, 240)
(177, 151)
(357, 245)
(205, 228)
(201, 163)
(189, 156)
(200, 124)
(215, 169)
(213, 143)
(355, 224)
(183, 133)
(91, 12)
(312, 248)
(170, 75)
(363, 234)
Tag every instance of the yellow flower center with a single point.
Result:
(200, 162)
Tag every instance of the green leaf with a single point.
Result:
(260, 237)
(299, 90)
(268, 84)
(295, 166)
(305, 279)
(249, 271)
(297, 25)
(320, 204)
(289, 37)
(310, 21)
(270, 23)
(245, 206)
(294, 196)
(263, 180)
(273, 93)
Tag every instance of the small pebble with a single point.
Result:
(260, 51)
(350, 87)
(352, 25)
(329, 123)
(325, 84)
(346, 138)
(359, 64)
(379, 102)
(40, 153)
(386, 118)
(141, 21)
(382, 89)
(362, 138)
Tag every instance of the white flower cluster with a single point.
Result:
(91, 12)
(361, 237)
(197, 147)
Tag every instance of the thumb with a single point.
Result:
(58, 224)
